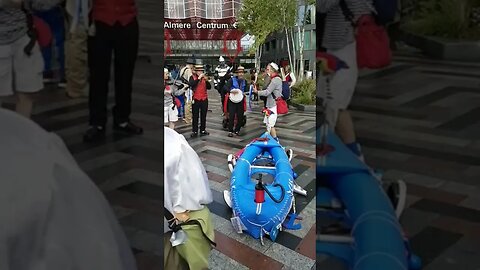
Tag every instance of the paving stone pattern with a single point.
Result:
(418, 121)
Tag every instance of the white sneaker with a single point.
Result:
(227, 198)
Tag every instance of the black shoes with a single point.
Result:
(97, 133)
(194, 135)
(94, 134)
(128, 128)
(230, 134)
(204, 133)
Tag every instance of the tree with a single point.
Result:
(255, 18)
(288, 11)
(301, 35)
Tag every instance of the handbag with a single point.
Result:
(373, 45)
(282, 107)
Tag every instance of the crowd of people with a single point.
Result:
(80, 36)
(186, 95)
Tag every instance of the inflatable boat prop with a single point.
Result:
(262, 189)
(359, 222)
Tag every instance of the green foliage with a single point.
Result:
(254, 19)
(304, 92)
(445, 19)
(261, 18)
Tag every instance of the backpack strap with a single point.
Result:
(32, 33)
(177, 227)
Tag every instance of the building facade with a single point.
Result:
(204, 28)
(275, 48)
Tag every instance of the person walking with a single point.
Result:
(199, 82)
(185, 74)
(338, 39)
(114, 30)
(273, 91)
(186, 196)
(76, 47)
(236, 88)
(21, 62)
(54, 18)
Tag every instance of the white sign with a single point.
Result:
(199, 25)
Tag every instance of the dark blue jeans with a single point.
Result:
(55, 20)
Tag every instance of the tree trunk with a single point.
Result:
(301, 40)
(301, 49)
(287, 39)
(294, 49)
(258, 56)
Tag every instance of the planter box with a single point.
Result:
(468, 51)
(301, 107)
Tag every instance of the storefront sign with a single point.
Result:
(199, 25)
(202, 29)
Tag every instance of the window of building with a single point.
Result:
(175, 9)
(267, 46)
(214, 9)
(314, 39)
(274, 44)
(308, 42)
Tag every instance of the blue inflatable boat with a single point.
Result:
(358, 221)
(262, 189)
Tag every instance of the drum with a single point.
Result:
(237, 97)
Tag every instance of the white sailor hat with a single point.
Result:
(274, 66)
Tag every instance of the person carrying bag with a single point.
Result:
(188, 227)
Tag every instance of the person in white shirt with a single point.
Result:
(188, 226)
(52, 215)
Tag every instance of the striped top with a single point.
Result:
(339, 31)
(13, 25)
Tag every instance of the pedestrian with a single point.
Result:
(273, 91)
(199, 82)
(338, 39)
(290, 77)
(185, 74)
(21, 62)
(236, 88)
(77, 17)
(114, 30)
(52, 214)
(54, 17)
(172, 90)
(187, 193)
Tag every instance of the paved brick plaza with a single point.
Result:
(293, 249)
(419, 120)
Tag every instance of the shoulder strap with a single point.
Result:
(32, 34)
(347, 12)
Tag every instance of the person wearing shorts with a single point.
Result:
(172, 89)
(273, 91)
(338, 39)
(21, 70)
